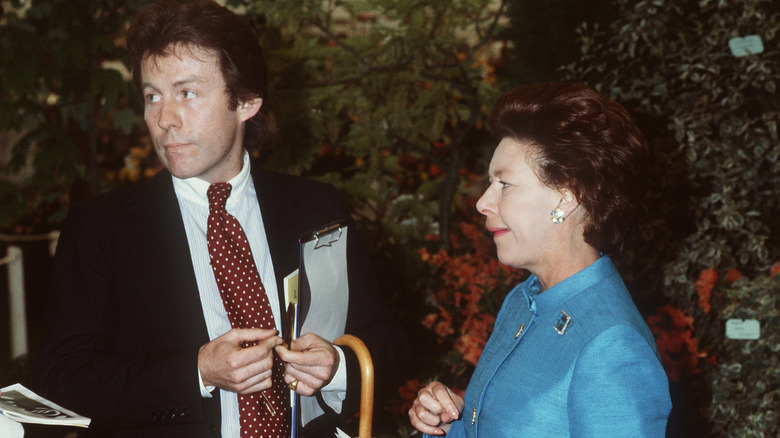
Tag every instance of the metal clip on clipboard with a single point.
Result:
(326, 231)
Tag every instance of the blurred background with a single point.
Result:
(387, 99)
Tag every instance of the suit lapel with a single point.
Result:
(155, 224)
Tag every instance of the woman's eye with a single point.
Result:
(188, 94)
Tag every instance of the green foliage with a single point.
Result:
(358, 84)
(673, 61)
(746, 382)
(61, 94)
(544, 37)
(711, 118)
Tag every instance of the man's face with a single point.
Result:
(186, 108)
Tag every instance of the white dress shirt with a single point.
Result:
(242, 204)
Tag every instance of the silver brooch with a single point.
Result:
(563, 322)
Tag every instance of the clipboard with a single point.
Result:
(320, 302)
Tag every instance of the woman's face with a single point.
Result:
(517, 209)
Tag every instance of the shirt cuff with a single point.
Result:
(334, 393)
(205, 391)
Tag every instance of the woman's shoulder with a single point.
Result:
(604, 306)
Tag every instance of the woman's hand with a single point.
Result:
(434, 409)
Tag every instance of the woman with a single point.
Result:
(570, 354)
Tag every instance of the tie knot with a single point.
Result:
(218, 194)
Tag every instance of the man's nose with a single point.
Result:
(169, 116)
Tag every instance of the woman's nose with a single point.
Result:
(486, 204)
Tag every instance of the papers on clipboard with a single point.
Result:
(324, 289)
(317, 298)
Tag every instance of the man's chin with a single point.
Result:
(182, 172)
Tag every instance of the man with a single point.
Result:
(139, 333)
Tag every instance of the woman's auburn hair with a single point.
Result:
(585, 143)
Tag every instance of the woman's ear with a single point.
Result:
(248, 109)
(569, 202)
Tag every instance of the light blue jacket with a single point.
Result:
(597, 375)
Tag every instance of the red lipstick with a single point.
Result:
(498, 231)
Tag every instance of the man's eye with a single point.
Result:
(152, 98)
(188, 94)
(504, 184)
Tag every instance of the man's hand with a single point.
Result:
(224, 363)
(434, 409)
(311, 360)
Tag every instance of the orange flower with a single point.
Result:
(733, 275)
(444, 327)
(471, 347)
(704, 286)
(429, 320)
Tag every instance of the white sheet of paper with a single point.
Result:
(326, 271)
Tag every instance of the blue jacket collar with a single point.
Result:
(551, 299)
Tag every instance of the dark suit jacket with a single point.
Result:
(126, 320)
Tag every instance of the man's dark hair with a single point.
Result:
(159, 28)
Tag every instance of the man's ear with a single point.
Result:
(248, 109)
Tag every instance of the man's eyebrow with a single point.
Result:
(177, 84)
(187, 80)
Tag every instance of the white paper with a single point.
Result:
(325, 265)
(326, 270)
(20, 404)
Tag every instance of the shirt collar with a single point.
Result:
(551, 299)
(194, 189)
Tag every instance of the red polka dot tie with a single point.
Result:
(261, 414)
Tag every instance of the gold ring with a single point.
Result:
(293, 384)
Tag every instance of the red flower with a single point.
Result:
(678, 346)
(775, 270)
(704, 286)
